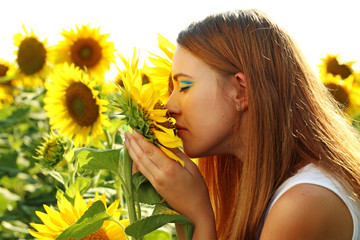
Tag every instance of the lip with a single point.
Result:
(180, 129)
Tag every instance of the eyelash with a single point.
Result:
(185, 85)
(184, 88)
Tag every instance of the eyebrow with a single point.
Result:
(176, 76)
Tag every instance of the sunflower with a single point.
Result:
(110, 87)
(32, 59)
(143, 111)
(160, 74)
(6, 69)
(73, 105)
(7, 91)
(331, 64)
(51, 151)
(6, 97)
(55, 222)
(339, 78)
(87, 49)
(345, 92)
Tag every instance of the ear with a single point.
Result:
(241, 96)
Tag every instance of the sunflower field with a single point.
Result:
(64, 173)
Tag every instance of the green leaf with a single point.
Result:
(116, 123)
(138, 179)
(188, 229)
(94, 159)
(90, 222)
(158, 235)
(145, 191)
(7, 198)
(160, 216)
(81, 184)
(147, 194)
(8, 162)
(3, 204)
(56, 175)
(13, 115)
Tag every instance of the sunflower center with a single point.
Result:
(167, 124)
(98, 235)
(31, 56)
(335, 68)
(81, 104)
(3, 70)
(339, 93)
(86, 52)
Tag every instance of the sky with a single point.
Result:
(318, 26)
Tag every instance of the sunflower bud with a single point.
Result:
(51, 151)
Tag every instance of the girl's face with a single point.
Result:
(203, 108)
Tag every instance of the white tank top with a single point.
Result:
(313, 175)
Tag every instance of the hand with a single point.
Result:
(182, 187)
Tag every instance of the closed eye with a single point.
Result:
(184, 88)
(185, 84)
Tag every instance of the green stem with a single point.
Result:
(129, 196)
(138, 207)
(71, 172)
(109, 139)
(119, 191)
(69, 158)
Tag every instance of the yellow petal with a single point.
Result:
(47, 221)
(42, 228)
(42, 236)
(172, 155)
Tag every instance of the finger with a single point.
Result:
(146, 170)
(140, 155)
(151, 151)
(189, 164)
(135, 168)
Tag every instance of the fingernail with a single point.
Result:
(130, 130)
(125, 128)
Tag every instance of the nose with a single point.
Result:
(173, 105)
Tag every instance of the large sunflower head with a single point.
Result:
(56, 221)
(87, 49)
(332, 65)
(74, 106)
(142, 109)
(160, 73)
(32, 58)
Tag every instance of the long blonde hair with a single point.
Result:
(292, 118)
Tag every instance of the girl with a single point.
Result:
(277, 160)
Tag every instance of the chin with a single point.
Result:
(191, 154)
(195, 154)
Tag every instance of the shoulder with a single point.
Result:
(308, 211)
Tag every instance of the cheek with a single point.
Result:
(211, 131)
(197, 110)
